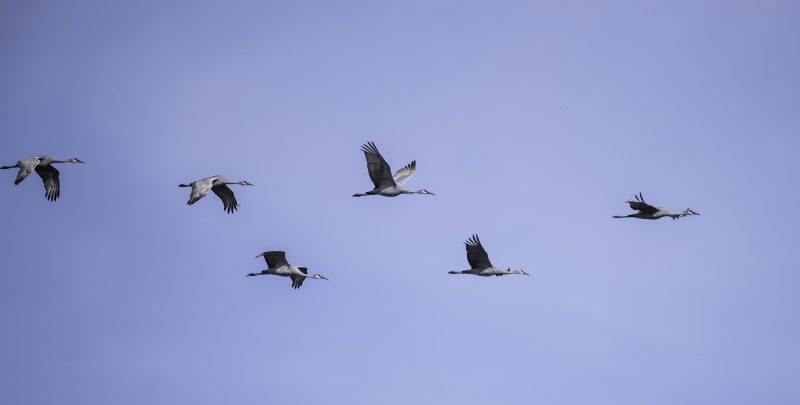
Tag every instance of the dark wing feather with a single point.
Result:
(640, 205)
(379, 171)
(275, 259)
(297, 281)
(226, 195)
(52, 184)
(476, 254)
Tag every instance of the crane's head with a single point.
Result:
(689, 212)
(318, 277)
(253, 274)
(245, 183)
(75, 160)
(518, 271)
(424, 191)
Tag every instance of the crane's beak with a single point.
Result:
(79, 161)
(322, 277)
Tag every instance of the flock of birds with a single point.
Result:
(386, 184)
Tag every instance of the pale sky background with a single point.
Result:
(533, 122)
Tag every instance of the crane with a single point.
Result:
(479, 261)
(647, 211)
(219, 185)
(278, 266)
(380, 173)
(43, 166)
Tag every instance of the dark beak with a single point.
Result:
(322, 277)
(80, 161)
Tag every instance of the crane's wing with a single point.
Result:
(200, 189)
(226, 195)
(476, 254)
(52, 185)
(25, 168)
(402, 175)
(275, 258)
(297, 281)
(640, 205)
(379, 171)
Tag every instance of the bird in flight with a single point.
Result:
(647, 211)
(278, 266)
(43, 166)
(219, 185)
(380, 173)
(479, 261)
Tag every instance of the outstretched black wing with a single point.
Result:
(476, 254)
(379, 171)
(640, 205)
(297, 281)
(52, 184)
(275, 259)
(226, 195)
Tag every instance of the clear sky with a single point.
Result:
(532, 122)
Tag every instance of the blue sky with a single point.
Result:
(533, 122)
